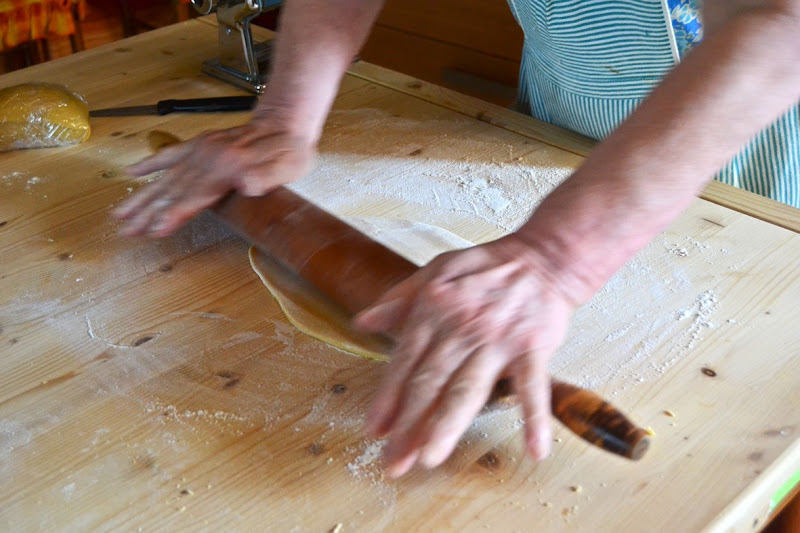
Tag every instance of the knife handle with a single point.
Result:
(207, 105)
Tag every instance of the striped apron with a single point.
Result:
(586, 64)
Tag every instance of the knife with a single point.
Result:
(193, 105)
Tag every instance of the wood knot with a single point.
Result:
(339, 388)
(786, 431)
(315, 448)
(490, 460)
(708, 372)
(165, 268)
(142, 340)
(232, 379)
(755, 456)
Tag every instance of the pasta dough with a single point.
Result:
(313, 313)
(38, 115)
(318, 316)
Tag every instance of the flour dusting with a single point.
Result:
(368, 463)
(448, 174)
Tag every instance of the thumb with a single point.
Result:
(164, 158)
(383, 316)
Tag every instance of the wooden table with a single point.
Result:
(154, 385)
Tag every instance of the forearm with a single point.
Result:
(741, 78)
(316, 42)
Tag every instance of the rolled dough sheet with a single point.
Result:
(316, 315)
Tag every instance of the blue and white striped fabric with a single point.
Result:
(586, 64)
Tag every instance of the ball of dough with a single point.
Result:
(38, 115)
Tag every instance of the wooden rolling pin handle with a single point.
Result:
(586, 414)
(354, 271)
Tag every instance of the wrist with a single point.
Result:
(549, 257)
(290, 117)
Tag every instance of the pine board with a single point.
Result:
(154, 385)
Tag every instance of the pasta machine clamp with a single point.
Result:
(241, 62)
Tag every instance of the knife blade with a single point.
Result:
(192, 105)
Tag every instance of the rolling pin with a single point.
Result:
(354, 271)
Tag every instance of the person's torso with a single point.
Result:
(588, 63)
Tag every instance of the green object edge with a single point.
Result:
(784, 491)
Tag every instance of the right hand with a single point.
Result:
(251, 159)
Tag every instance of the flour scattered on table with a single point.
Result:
(365, 465)
(449, 173)
(670, 314)
(68, 491)
(368, 463)
(230, 422)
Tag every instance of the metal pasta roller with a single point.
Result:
(241, 62)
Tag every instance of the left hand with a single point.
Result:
(462, 322)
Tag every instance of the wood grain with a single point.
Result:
(472, 46)
(154, 385)
(486, 26)
(733, 198)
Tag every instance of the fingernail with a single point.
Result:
(126, 230)
(431, 457)
(401, 467)
(158, 230)
(543, 440)
(119, 211)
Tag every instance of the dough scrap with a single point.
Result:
(39, 115)
(316, 315)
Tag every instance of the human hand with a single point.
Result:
(251, 159)
(462, 322)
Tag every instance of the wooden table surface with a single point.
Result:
(154, 385)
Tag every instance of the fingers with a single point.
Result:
(400, 467)
(163, 206)
(252, 159)
(165, 158)
(464, 398)
(532, 385)
(175, 215)
(140, 209)
(391, 311)
(419, 396)
(144, 196)
(384, 407)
